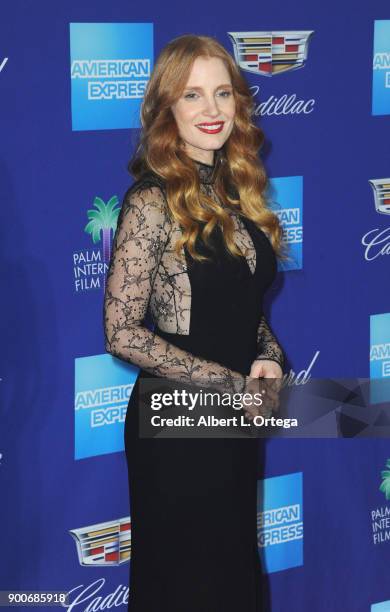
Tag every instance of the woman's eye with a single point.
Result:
(192, 95)
(227, 93)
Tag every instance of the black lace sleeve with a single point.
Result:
(141, 236)
(268, 346)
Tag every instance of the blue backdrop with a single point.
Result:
(72, 78)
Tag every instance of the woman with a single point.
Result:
(196, 247)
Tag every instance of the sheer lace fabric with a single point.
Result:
(145, 273)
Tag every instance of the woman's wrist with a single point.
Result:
(236, 383)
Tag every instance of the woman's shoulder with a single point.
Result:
(148, 182)
(146, 197)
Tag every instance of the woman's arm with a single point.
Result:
(268, 346)
(142, 233)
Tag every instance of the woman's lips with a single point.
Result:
(211, 128)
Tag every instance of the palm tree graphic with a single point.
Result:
(101, 222)
(385, 484)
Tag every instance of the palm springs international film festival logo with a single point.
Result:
(106, 543)
(111, 65)
(380, 516)
(377, 241)
(381, 68)
(90, 265)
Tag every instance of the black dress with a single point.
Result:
(193, 501)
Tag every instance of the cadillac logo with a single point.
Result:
(270, 53)
(381, 189)
(103, 544)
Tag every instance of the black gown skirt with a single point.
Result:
(193, 500)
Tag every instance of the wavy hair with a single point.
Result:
(241, 178)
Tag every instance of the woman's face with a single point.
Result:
(205, 111)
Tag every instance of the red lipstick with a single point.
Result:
(211, 127)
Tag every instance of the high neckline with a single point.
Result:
(208, 172)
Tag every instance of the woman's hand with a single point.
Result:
(264, 368)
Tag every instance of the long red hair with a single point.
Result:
(161, 151)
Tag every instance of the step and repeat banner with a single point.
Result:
(72, 78)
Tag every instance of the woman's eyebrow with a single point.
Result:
(201, 88)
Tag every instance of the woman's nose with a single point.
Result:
(211, 106)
